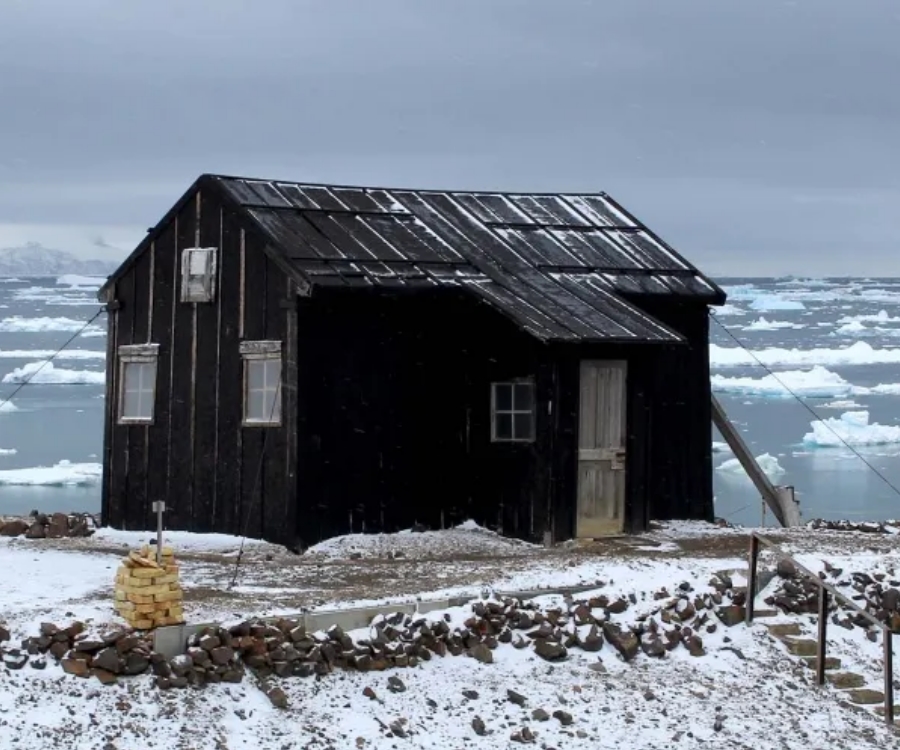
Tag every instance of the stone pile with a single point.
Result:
(54, 526)
(148, 594)
(867, 527)
(878, 593)
(284, 648)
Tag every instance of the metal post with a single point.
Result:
(888, 675)
(751, 578)
(159, 507)
(823, 628)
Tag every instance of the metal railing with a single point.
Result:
(826, 592)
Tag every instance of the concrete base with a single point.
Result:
(170, 641)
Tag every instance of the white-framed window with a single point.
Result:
(137, 383)
(198, 274)
(512, 411)
(262, 382)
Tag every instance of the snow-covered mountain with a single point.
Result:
(34, 259)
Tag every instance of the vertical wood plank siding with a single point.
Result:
(385, 405)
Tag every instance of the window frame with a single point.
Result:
(207, 292)
(136, 354)
(513, 411)
(254, 352)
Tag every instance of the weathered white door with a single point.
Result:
(601, 449)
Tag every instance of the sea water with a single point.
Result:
(835, 343)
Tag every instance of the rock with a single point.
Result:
(652, 645)
(539, 714)
(731, 615)
(77, 667)
(222, 655)
(549, 650)
(13, 528)
(593, 641)
(695, 646)
(109, 660)
(513, 697)
(4, 634)
(478, 726)
(786, 569)
(890, 600)
(865, 697)
(35, 531)
(370, 694)
(15, 659)
(136, 663)
(482, 653)
(564, 717)
(58, 526)
(105, 678)
(624, 641)
(39, 663)
(472, 695)
(396, 685)
(277, 697)
(618, 606)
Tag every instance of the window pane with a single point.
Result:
(502, 396)
(503, 426)
(131, 380)
(198, 262)
(523, 426)
(272, 372)
(256, 374)
(273, 406)
(256, 406)
(130, 404)
(524, 396)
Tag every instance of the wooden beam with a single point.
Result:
(779, 499)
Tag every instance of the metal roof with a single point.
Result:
(561, 266)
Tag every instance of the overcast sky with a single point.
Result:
(758, 137)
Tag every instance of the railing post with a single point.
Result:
(823, 628)
(888, 639)
(751, 578)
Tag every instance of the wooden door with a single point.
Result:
(601, 449)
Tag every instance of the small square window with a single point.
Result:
(512, 411)
(137, 383)
(198, 274)
(262, 382)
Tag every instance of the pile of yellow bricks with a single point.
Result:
(148, 594)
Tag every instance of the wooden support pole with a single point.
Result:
(752, 578)
(823, 630)
(888, 675)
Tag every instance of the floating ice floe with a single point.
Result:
(817, 382)
(726, 310)
(767, 462)
(859, 353)
(7, 406)
(20, 324)
(47, 353)
(770, 302)
(880, 317)
(8, 451)
(46, 373)
(62, 474)
(74, 281)
(762, 324)
(718, 447)
(851, 428)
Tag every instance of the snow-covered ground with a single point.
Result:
(745, 692)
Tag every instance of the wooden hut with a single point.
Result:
(294, 362)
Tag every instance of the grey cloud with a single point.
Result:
(756, 136)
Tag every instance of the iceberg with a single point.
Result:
(859, 353)
(19, 324)
(62, 474)
(762, 324)
(46, 373)
(851, 428)
(880, 317)
(770, 302)
(768, 463)
(814, 383)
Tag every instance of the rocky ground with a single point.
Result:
(653, 655)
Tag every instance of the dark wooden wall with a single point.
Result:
(386, 406)
(395, 416)
(195, 455)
